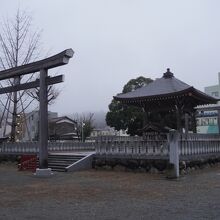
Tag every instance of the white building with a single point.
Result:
(5, 128)
(208, 116)
(214, 90)
(108, 131)
(31, 125)
(207, 120)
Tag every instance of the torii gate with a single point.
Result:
(41, 66)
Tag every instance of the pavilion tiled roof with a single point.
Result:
(166, 87)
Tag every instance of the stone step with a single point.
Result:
(58, 169)
(64, 155)
(73, 157)
(60, 162)
(64, 158)
(57, 165)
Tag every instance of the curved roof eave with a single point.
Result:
(161, 86)
(190, 92)
(167, 87)
(166, 95)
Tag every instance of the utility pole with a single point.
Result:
(82, 130)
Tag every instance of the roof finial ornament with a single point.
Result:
(168, 74)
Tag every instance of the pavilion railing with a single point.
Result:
(33, 147)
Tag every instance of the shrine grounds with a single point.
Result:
(108, 195)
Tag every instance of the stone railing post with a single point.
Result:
(173, 139)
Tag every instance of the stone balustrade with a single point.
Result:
(131, 146)
(19, 147)
(199, 144)
(33, 147)
(173, 146)
(189, 145)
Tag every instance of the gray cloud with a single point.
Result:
(116, 40)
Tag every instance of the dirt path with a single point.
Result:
(109, 195)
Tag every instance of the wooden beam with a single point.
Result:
(193, 121)
(30, 85)
(48, 63)
(178, 117)
(186, 123)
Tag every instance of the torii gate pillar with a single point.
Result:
(43, 135)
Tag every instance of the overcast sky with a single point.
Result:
(117, 40)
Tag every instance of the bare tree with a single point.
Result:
(52, 94)
(84, 125)
(19, 45)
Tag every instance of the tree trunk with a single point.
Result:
(14, 113)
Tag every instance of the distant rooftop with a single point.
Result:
(62, 119)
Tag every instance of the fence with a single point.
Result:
(33, 147)
(189, 145)
(174, 146)
(199, 144)
(132, 146)
(153, 145)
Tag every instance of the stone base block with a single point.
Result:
(43, 172)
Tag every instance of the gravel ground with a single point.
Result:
(109, 195)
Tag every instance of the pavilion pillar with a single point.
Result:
(193, 119)
(178, 117)
(43, 133)
(145, 119)
(186, 123)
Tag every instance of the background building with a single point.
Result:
(31, 125)
(208, 117)
(5, 128)
(207, 121)
(214, 90)
(107, 131)
(62, 128)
